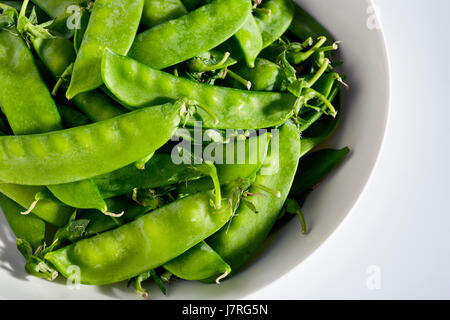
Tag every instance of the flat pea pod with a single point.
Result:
(21, 86)
(264, 76)
(143, 244)
(304, 26)
(315, 167)
(113, 24)
(250, 40)
(160, 171)
(273, 25)
(199, 31)
(239, 240)
(58, 8)
(136, 85)
(79, 153)
(159, 11)
(198, 263)
(50, 211)
(29, 228)
(80, 194)
(71, 117)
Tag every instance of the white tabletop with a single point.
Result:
(395, 243)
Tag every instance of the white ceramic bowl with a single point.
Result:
(366, 108)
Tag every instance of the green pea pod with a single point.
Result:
(314, 168)
(54, 213)
(178, 40)
(239, 239)
(198, 263)
(265, 76)
(58, 8)
(21, 86)
(273, 25)
(79, 153)
(137, 85)
(113, 24)
(57, 54)
(29, 228)
(81, 194)
(160, 171)
(72, 118)
(143, 244)
(250, 40)
(159, 11)
(304, 26)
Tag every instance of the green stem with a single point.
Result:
(239, 79)
(319, 73)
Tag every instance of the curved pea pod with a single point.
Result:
(112, 24)
(180, 39)
(239, 240)
(304, 26)
(21, 86)
(80, 194)
(198, 263)
(159, 11)
(53, 212)
(273, 25)
(314, 168)
(160, 171)
(136, 85)
(250, 40)
(57, 54)
(79, 153)
(265, 76)
(58, 8)
(29, 228)
(143, 244)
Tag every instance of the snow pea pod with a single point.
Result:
(250, 40)
(159, 11)
(137, 85)
(29, 228)
(238, 241)
(53, 212)
(112, 24)
(180, 39)
(79, 153)
(265, 76)
(21, 86)
(159, 171)
(273, 25)
(143, 244)
(198, 263)
(80, 194)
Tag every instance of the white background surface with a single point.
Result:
(401, 223)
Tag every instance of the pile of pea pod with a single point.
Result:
(92, 94)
